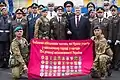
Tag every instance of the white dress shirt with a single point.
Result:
(108, 14)
(76, 19)
(53, 14)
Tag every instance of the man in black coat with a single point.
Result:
(79, 26)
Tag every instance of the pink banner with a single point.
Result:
(60, 58)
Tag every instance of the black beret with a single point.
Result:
(91, 4)
(3, 4)
(97, 27)
(100, 9)
(19, 10)
(58, 8)
(113, 7)
(68, 2)
(34, 5)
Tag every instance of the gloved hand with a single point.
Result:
(117, 42)
(109, 41)
(69, 32)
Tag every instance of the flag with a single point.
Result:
(10, 3)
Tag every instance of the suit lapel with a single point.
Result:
(73, 21)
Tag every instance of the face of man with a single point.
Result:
(106, 6)
(44, 13)
(60, 11)
(77, 11)
(19, 15)
(100, 14)
(90, 7)
(97, 32)
(4, 11)
(92, 14)
(19, 33)
(29, 10)
(35, 10)
(68, 7)
(114, 12)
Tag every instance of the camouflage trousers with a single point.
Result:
(100, 64)
(17, 71)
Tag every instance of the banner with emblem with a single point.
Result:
(60, 58)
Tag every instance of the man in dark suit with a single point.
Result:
(32, 20)
(79, 26)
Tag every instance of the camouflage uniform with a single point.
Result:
(103, 54)
(42, 28)
(19, 50)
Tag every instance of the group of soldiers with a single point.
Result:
(51, 22)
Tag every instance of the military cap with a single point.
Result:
(34, 5)
(3, 4)
(90, 4)
(50, 4)
(41, 7)
(60, 8)
(44, 9)
(113, 7)
(100, 9)
(19, 27)
(68, 2)
(19, 11)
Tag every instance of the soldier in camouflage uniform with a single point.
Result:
(114, 36)
(19, 52)
(42, 26)
(100, 20)
(59, 25)
(103, 53)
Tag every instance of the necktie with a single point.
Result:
(77, 20)
(100, 21)
(106, 15)
(34, 15)
(59, 19)
(51, 14)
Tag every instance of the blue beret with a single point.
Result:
(18, 28)
(44, 9)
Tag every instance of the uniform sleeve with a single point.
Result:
(51, 29)
(37, 24)
(16, 52)
(118, 35)
(110, 30)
